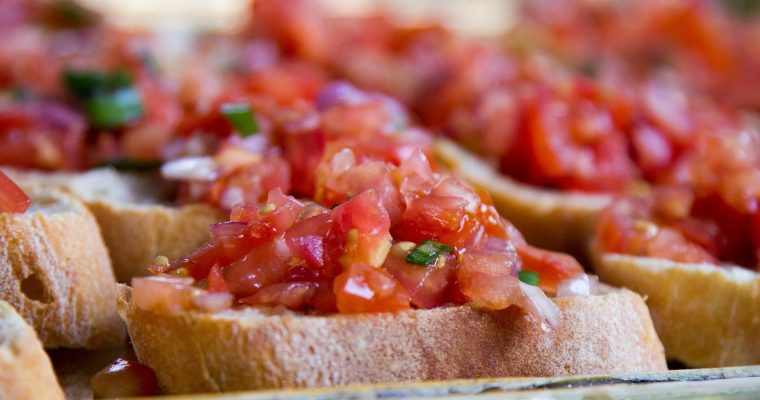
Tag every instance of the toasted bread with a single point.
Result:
(55, 270)
(25, 369)
(556, 220)
(706, 315)
(259, 348)
(136, 221)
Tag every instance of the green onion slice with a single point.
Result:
(115, 109)
(427, 252)
(241, 117)
(529, 277)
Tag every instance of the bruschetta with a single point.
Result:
(54, 268)
(694, 257)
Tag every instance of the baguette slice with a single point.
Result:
(551, 219)
(265, 349)
(706, 315)
(25, 369)
(136, 221)
(55, 270)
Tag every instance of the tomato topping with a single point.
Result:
(125, 378)
(362, 288)
(12, 198)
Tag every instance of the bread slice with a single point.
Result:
(25, 369)
(706, 315)
(135, 218)
(55, 270)
(556, 220)
(264, 349)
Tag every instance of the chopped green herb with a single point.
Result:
(108, 98)
(742, 8)
(84, 84)
(131, 164)
(529, 277)
(427, 253)
(115, 109)
(241, 117)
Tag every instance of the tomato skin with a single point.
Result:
(489, 278)
(12, 198)
(428, 286)
(263, 265)
(125, 378)
(293, 295)
(362, 288)
(551, 267)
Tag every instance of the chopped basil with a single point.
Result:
(427, 253)
(109, 100)
(131, 164)
(115, 109)
(529, 277)
(241, 117)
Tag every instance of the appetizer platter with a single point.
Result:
(362, 204)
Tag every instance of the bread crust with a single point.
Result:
(135, 233)
(55, 270)
(136, 226)
(557, 220)
(248, 349)
(25, 369)
(706, 315)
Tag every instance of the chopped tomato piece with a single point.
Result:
(362, 288)
(12, 198)
(125, 378)
(428, 285)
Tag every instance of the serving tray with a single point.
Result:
(75, 367)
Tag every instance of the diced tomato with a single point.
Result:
(293, 295)
(551, 267)
(265, 264)
(41, 135)
(428, 286)
(162, 293)
(216, 283)
(362, 288)
(125, 378)
(441, 218)
(12, 198)
(362, 223)
(306, 239)
(489, 278)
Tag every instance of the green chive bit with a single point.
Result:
(427, 253)
(115, 109)
(529, 277)
(240, 115)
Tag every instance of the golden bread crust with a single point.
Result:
(706, 315)
(248, 349)
(55, 270)
(25, 369)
